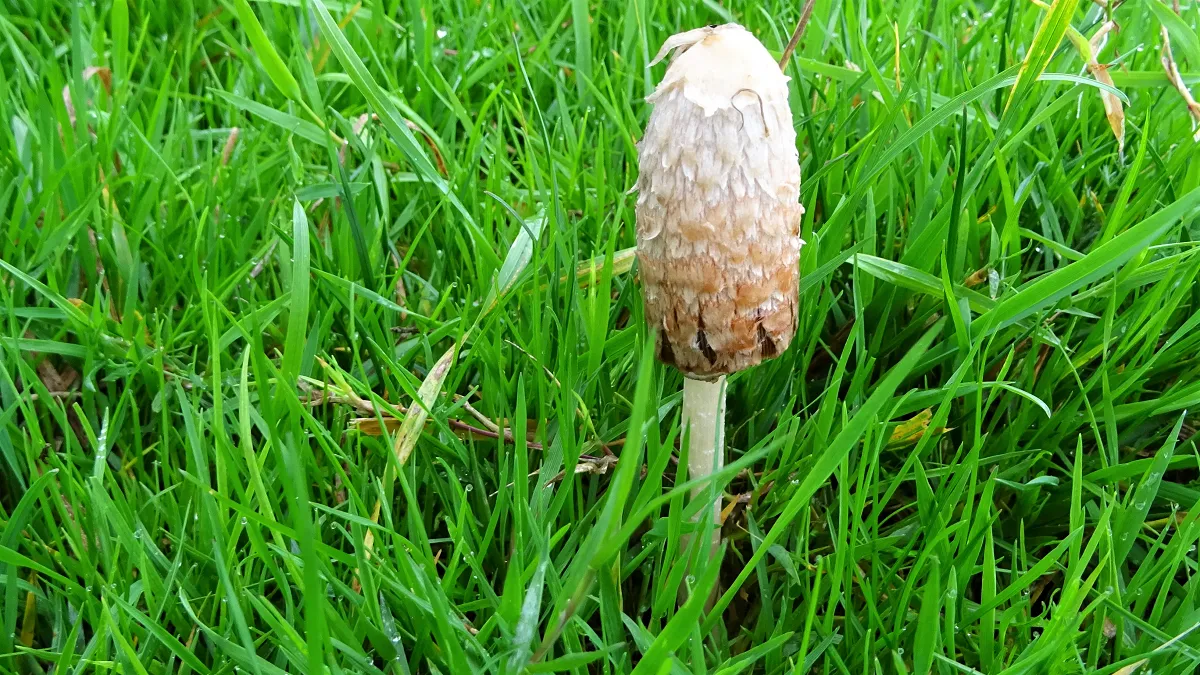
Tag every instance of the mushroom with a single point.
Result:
(718, 223)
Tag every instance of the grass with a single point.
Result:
(284, 388)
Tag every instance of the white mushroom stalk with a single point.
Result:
(718, 223)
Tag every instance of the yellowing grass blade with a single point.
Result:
(1047, 39)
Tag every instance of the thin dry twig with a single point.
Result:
(805, 15)
(483, 419)
(258, 267)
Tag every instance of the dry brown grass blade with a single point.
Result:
(56, 381)
(226, 155)
(230, 145)
(977, 278)
(1172, 68)
(29, 622)
(1114, 110)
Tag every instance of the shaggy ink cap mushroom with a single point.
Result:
(718, 223)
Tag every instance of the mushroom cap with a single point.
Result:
(718, 207)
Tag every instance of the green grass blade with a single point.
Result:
(1045, 43)
(839, 447)
(276, 69)
(1096, 264)
(297, 330)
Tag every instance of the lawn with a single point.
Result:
(324, 348)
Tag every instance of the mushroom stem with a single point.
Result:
(704, 420)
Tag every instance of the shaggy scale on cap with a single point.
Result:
(718, 207)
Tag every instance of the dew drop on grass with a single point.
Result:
(691, 579)
(468, 488)
(244, 521)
